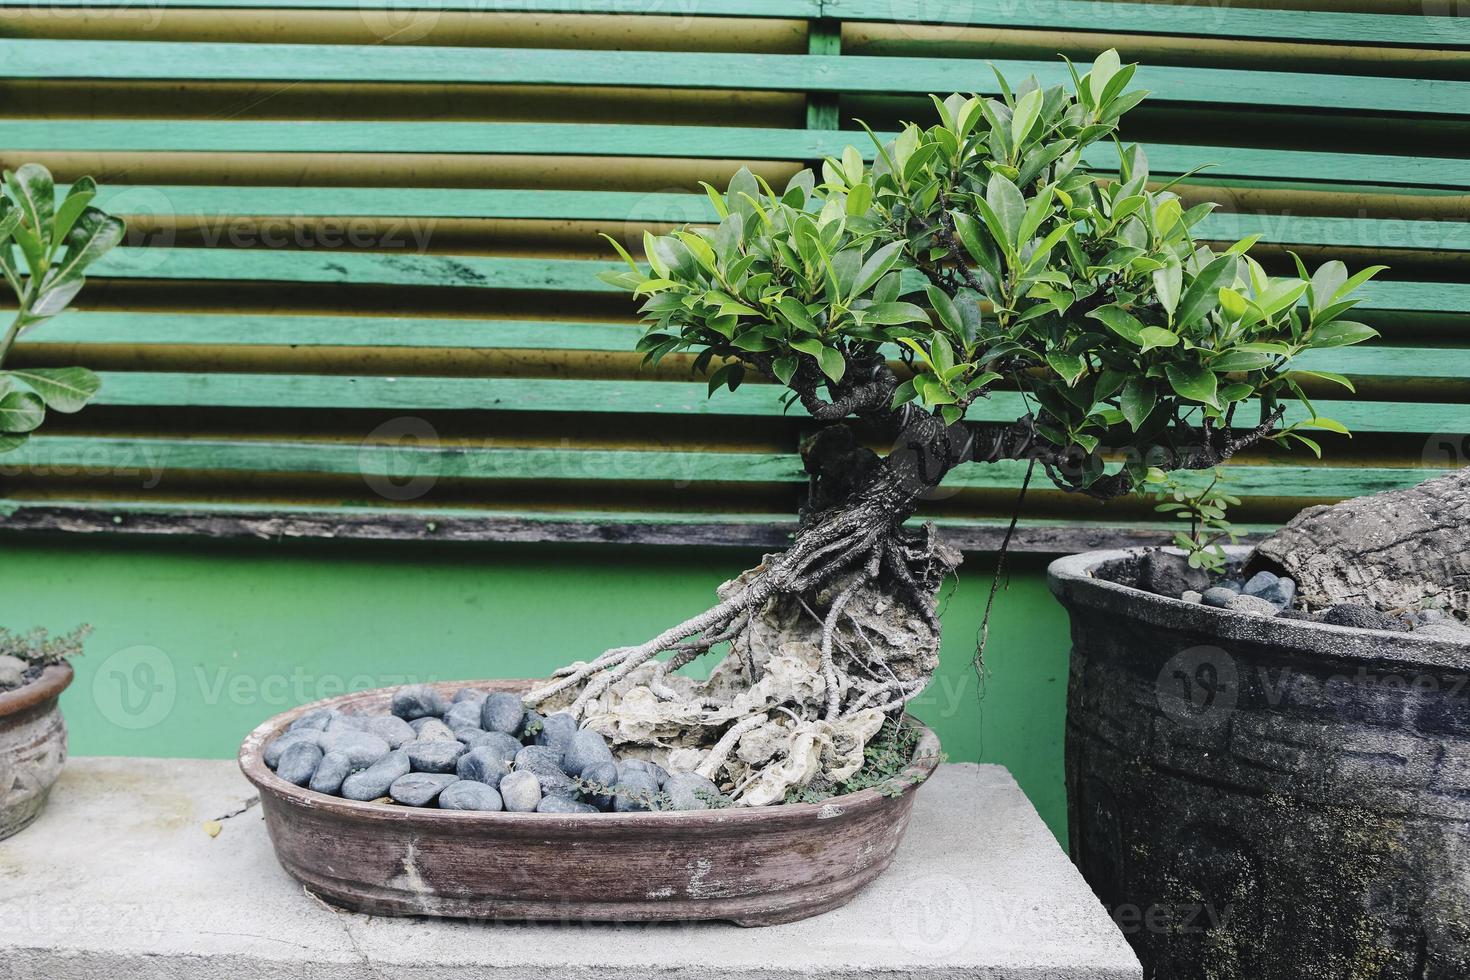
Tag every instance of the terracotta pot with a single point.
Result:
(750, 865)
(32, 747)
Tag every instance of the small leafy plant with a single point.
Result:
(45, 249)
(1204, 508)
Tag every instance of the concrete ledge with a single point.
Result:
(118, 879)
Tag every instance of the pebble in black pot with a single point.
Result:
(330, 773)
(598, 781)
(374, 781)
(470, 795)
(298, 763)
(390, 728)
(636, 791)
(521, 791)
(557, 731)
(690, 791)
(585, 749)
(501, 712)
(363, 749)
(411, 703)
(420, 788)
(439, 755)
(278, 746)
(483, 765)
(561, 804)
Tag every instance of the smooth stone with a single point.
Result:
(485, 764)
(1164, 573)
(470, 795)
(1218, 596)
(419, 701)
(504, 745)
(436, 755)
(374, 781)
(298, 763)
(1279, 594)
(637, 792)
(363, 749)
(1253, 605)
(598, 784)
(468, 694)
(690, 791)
(317, 720)
(420, 788)
(1192, 597)
(13, 670)
(465, 714)
(521, 791)
(658, 772)
(1235, 585)
(561, 804)
(391, 729)
(433, 730)
(1360, 617)
(501, 712)
(279, 745)
(530, 725)
(545, 762)
(1259, 582)
(584, 749)
(330, 773)
(341, 721)
(557, 731)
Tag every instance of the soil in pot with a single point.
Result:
(32, 743)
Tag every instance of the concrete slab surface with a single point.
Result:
(119, 880)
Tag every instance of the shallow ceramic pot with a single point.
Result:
(1258, 798)
(750, 865)
(32, 747)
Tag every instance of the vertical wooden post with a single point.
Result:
(824, 37)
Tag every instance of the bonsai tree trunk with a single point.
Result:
(1389, 550)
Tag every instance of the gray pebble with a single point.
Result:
(1361, 617)
(1258, 583)
(298, 763)
(420, 788)
(521, 791)
(557, 731)
(465, 714)
(468, 694)
(391, 729)
(374, 781)
(313, 719)
(419, 701)
(341, 721)
(483, 765)
(433, 730)
(658, 772)
(586, 748)
(690, 791)
(1218, 596)
(501, 712)
(469, 795)
(1235, 585)
(363, 749)
(545, 762)
(330, 772)
(637, 791)
(1192, 597)
(436, 755)
(1253, 605)
(562, 804)
(1279, 594)
(502, 744)
(277, 746)
(601, 776)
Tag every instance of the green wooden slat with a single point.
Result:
(798, 9)
(296, 63)
(569, 275)
(1169, 19)
(435, 202)
(414, 393)
(702, 142)
(481, 463)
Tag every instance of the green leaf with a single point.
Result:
(1137, 401)
(1009, 206)
(894, 314)
(793, 310)
(1330, 425)
(1325, 376)
(21, 411)
(784, 368)
(833, 365)
(1194, 383)
(1069, 366)
(10, 441)
(1167, 283)
(63, 389)
(1121, 322)
(877, 266)
(1340, 333)
(1024, 116)
(81, 194)
(35, 193)
(1151, 337)
(949, 316)
(1103, 70)
(1203, 292)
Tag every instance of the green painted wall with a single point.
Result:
(197, 642)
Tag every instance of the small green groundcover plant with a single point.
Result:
(984, 289)
(24, 655)
(46, 245)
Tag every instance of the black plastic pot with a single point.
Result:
(1267, 799)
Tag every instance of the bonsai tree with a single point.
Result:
(891, 300)
(45, 248)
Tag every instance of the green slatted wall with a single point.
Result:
(360, 293)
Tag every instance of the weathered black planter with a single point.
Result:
(1267, 799)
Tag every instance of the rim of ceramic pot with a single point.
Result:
(53, 680)
(1072, 580)
(252, 763)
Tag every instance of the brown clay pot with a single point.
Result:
(750, 865)
(32, 747)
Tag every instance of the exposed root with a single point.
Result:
(819, 644)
